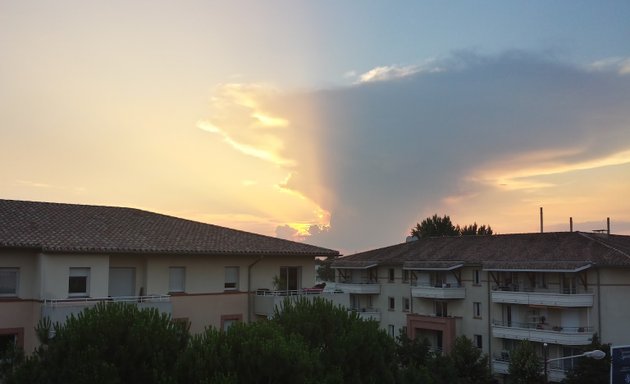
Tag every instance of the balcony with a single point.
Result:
(501, 365)
(359, 287)
(513, 295)
(542, 333)
(368, 313)
(266, 301)
(441, 292)
(58, 310)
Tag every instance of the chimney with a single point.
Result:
(541, 219)
(570, 224)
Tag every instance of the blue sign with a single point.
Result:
(620, 364)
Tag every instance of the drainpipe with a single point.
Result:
(599, 308)
(249, 288)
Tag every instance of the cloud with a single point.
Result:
(620, 65)
(391, 72)
(485, 139)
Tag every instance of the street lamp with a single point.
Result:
(594, 354)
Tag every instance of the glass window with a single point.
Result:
(406, 304)
(392, 303)
(476, 277)
(391, 275)
(79, 282)
(405, 276)
(477, 310)
(391, 329)
(478, 341)
(177, 279)
(231, 278)
(440, 308)
(9, 279)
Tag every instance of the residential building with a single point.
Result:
(555, 288)
(56, 259)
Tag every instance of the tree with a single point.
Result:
(351, 350)
(442, 226)
(109, 343)
(252, 353)
(475, 230)
(412, 352)
(470, 365)
(525, 366)
(435, 226)
(588, 370)
(325, 272)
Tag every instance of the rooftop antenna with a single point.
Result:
(541, 219)
(570, 224)
(608, 225)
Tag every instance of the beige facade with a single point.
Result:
(562, 302)
(58, 259)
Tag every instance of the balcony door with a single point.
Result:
(122, 282)
(290, 278)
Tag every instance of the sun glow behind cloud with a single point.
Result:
(245, 118)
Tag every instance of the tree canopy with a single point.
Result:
(443, 226)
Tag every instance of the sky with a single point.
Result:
(340, 124)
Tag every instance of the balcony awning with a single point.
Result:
(536, 266)
(432, 265)
(354, 264)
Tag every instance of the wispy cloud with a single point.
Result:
(391, 72)
(620, 65)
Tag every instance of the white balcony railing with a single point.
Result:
(365, 287)
(442, 291)
(266, 301)
(543, 333)
(544, 298)
(58, 310)
(501, 365)
(367, 313)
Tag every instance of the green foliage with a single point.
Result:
(525, 365)
(591, 371)
(109, 343)
(351, 350)
(247, 353)
(435, 226)
(442, 226)
(412, 352)
(325, 272)
(470, 365)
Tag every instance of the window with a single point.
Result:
(9, 338)
(9, 278)
(478, 341)
(405, 276)
(392, 303)
(177, 279)
(229, 320)
(231, 278)
(290, 279)
(477, 310)
(391, 275)
(406, 304)
(440, 308)
(391, 330)
(79, 282)
(476, 277)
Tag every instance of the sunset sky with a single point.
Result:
(337, 123)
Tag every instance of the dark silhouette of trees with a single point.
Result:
(591, 371)
(443, 226)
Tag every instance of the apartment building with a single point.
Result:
(555, 289)
(56, 259)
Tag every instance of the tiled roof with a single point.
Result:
(554, 250)
(56, 227)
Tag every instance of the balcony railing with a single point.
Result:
(438, 291)
(515, 294)
(544, 333)
(501, 365)
(58, 310)
(367, 313)
(266, 301)
(359, 286)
